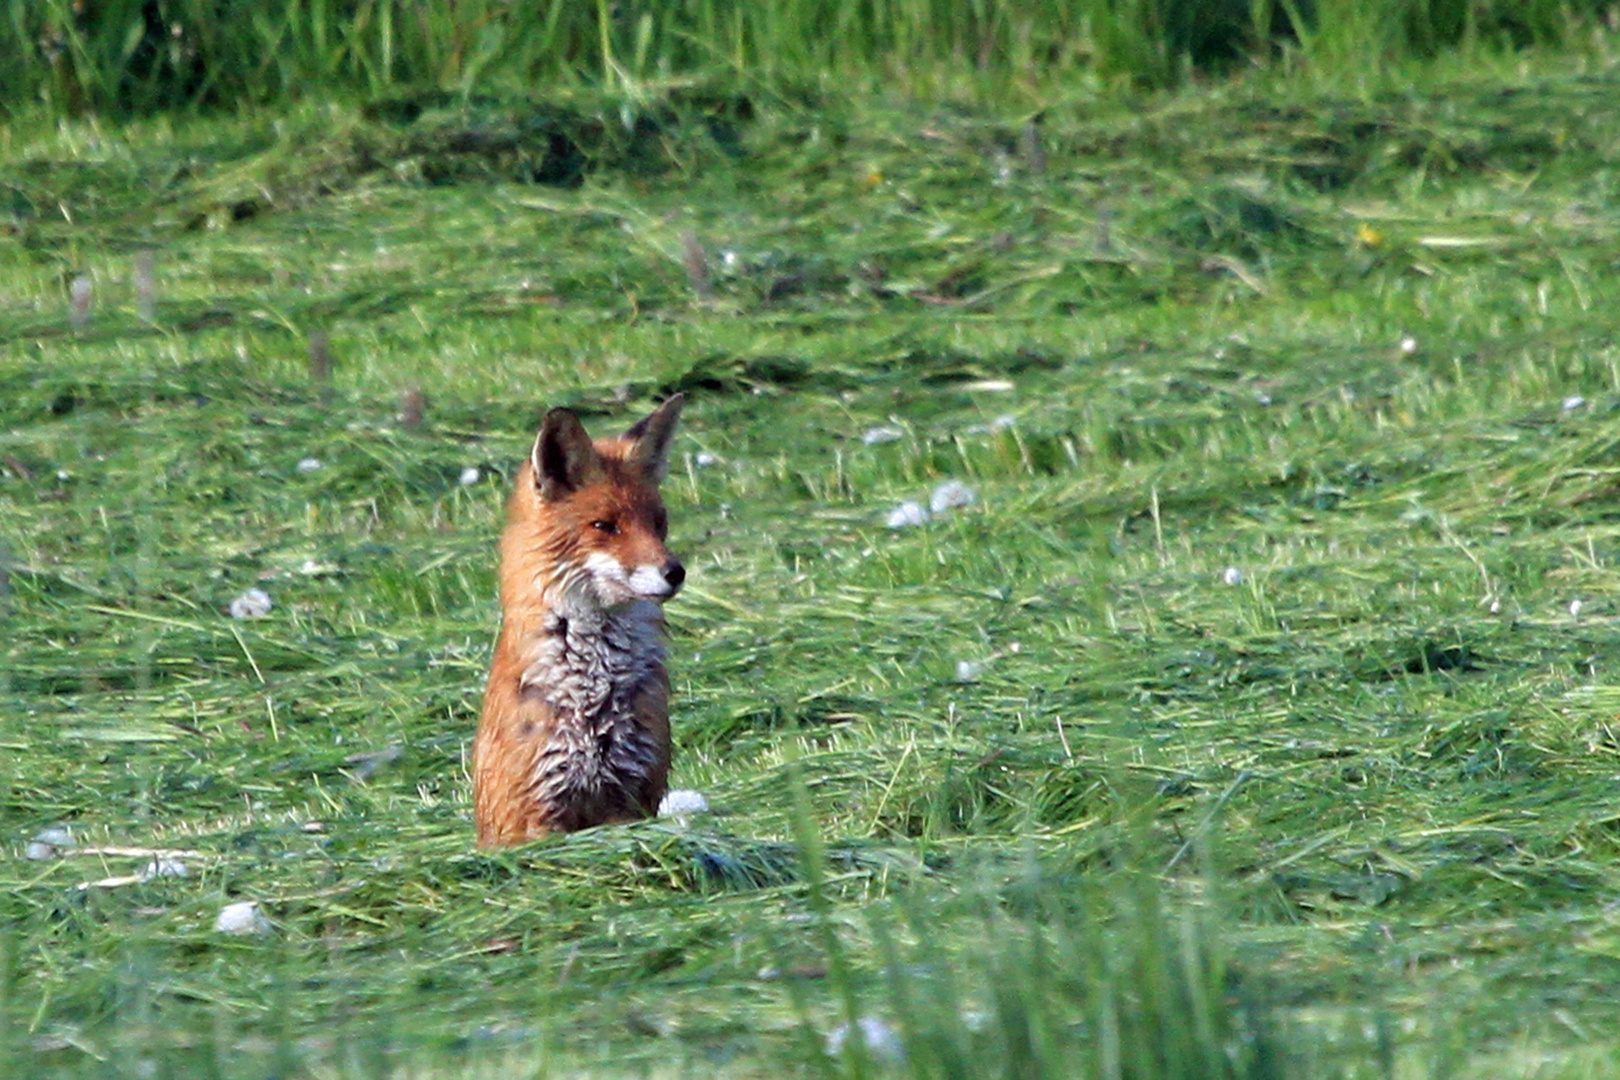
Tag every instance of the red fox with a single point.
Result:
(575, 727)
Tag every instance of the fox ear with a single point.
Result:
(564, 459)
(651, 435)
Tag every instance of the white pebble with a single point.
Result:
(907, 515)
(703, 459)
(1408, 345)
(471, 475)
(253, 604)
(1231, 576)
(968, 670)
(310, 464)
(163, 867)
(950, 495)
(55, 835)
(241, 919)
(881, 1041)
(1575, 608)
(1573, 402)
(876, 436)
(48, 843)
(682, 802)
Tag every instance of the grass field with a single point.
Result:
(1255, 719)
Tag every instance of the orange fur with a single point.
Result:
(575, 724)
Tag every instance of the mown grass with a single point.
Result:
(1247, 723)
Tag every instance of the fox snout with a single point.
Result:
(614, 582)
(658, 582)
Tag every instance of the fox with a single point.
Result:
(574, 730)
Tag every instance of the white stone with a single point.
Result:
(907, 515)
(1573, 402)
(471, 475)
(1575, 608)
(968, 670)
(876, 436)
(703, 459)
(310, 464)
(55, 835)
(242, 919)
(1408, 345)
(1231, 576)
(950, 495)
(48, 843)
(253, 604)
(682, 802)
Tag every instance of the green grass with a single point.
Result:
(1244, 726)
(123, 58)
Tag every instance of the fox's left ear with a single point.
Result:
(651, 436)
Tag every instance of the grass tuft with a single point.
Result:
(137, 57)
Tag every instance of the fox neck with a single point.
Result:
(587, 661)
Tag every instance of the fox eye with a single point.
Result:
(661, 524)
(607, 525)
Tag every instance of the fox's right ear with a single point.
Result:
(563, 458)
(651, 435)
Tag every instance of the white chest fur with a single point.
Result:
(589, 662)
(588, 665)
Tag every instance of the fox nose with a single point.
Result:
(674, 573)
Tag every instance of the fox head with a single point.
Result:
(596, 508)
